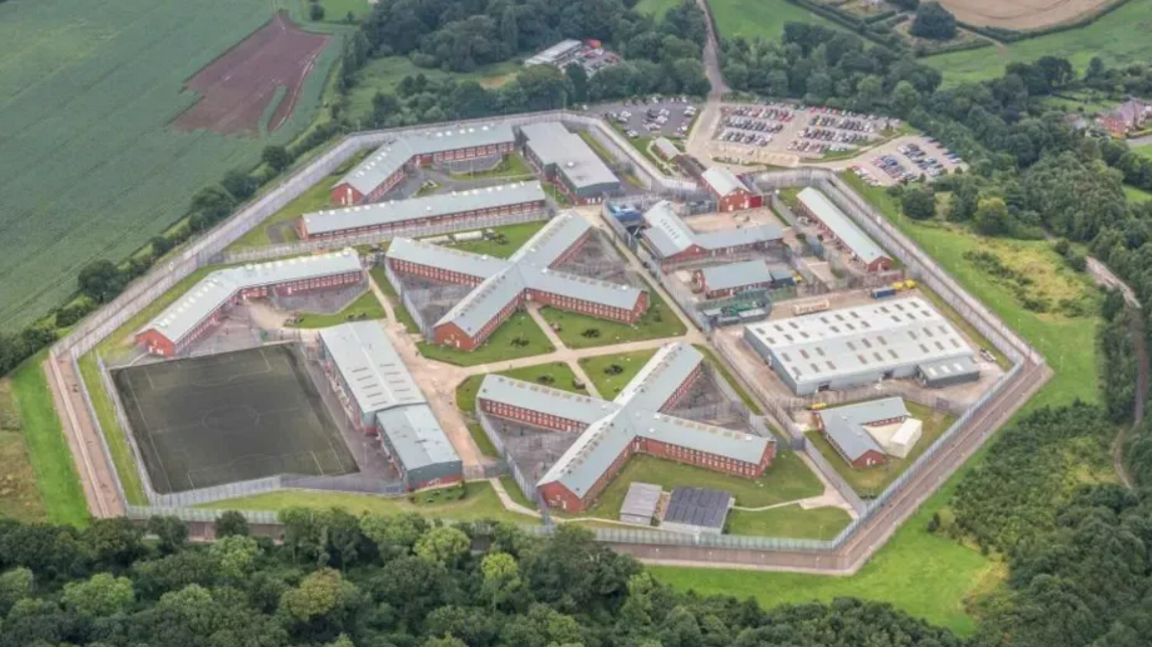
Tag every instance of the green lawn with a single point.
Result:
(50, 458)
(511, 167)
(366, 306)
(788, 479)
(402, 314)
(1145, 150)
(316, 198)
(656, 8)
(508, 239)
(595, 145)
(88, 91)
(338, 10)
(766, 18)
(481, 439)
(557, 375)
(1137, 195)
(514, 492)
(517, 337)
(479, 503)
(658, 322)
(1120, 38)
(792, 522)
(609, 385)
(870, 482)
(384, 74)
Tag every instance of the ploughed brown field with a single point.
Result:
(238, 87)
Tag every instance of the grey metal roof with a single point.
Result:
(658, 380)
(666, 147)
(544, 399)
(670, 235)
(553, 144)
(214, 290)
(387, 159)
(370, 366)
(641, 500)
(553, 53)
(723, 181)
(735, 275)
(869, 338)
(396, 212)
(528, 268)
(950, 368)
(416, 436)
(845, 425)
(698, 507)
(841, 225)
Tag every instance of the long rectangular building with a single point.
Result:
(672, 240)
(502, 286)
(202, 307)
(841, 349)
(636, 422)
(815, 205)
(388, 165)
(719, 281)
(381, 398)
(459, 207)
(566, 160)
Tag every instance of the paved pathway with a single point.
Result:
(509, 504)
(534, 312)
(583, 377)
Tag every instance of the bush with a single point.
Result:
(934, 22)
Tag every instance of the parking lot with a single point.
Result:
(908, 160)
(759, 132)
(652, 117)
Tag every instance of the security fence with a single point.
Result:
(526, 487)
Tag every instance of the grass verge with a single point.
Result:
(517, 337)
(114, 434)
(611, 373)
(507, 240)
(398, 307)
(582, 331)
(790, 522)
(366, 306)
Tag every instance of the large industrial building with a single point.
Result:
(867, 433)
(731, 193)
(388, 165)
(380, 397)
(637, 421)
(718, 281)
(502, 286)
(672, 240)
(203, 306)
(840, 349)
(566, 160)
(458, 208)
(836, 224)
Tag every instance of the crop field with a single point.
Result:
(766, 18)
(90, 167)
(1122, 37)
(1022, 14)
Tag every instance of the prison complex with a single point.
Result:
(719, 281)
(388, 165)
(834, 222)
(203, 306)
(731, 193)
(566, 160)
(459, 209)
(502, 286)
(865, 434)
(640, 420)
(381, 398)
(672, 240)
(841, 349)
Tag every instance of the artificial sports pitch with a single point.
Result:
(231, 417)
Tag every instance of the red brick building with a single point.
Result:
(673, 241)
(389, 165)
(503, 286)
(731, 193)
(203, 306)
(641, 420)
(839, 229)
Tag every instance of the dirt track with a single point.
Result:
(237, 88)
(1021, 15)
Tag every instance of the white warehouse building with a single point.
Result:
(841, 349)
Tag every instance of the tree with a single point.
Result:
(992, 217)
(231, 523)
(323, 593)
(578, 78)
(501, 577)
(394, 536)
(161, 245)
(918, 203)
(101, 281)
(239, 184)
(236, 555)
(510, 30)
(102, 595)
(213, 202)
(276, 157)
(315, 11)
(904, 98)
(934, 22)
(443, 546)
(171, 532)
(15, 585)
(907, 5)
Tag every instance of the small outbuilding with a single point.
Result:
(697, 511)
(640, 503)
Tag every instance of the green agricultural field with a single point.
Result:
(601, 370)
(60, 495)
(576, 330)
(517, 337)
(1119, 38)
(557, 375)
(87, 90)
(766, 18)
(384, 74)
(366, 306)
(790, 521)
(509, 238)
(479, 503)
